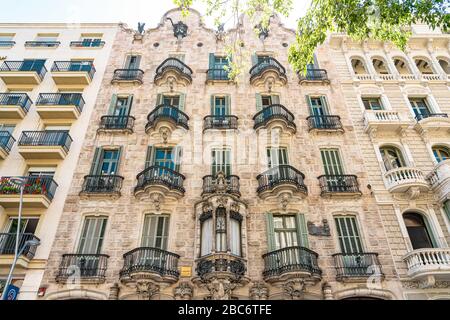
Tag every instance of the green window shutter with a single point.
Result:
(149, 159)
(113, 104)
(159, 99)
(324, 102)
(127, 62)
(258, 102)
(270, 232)
(92, 235)
(177, 157)
(332, 162)
(129, 104)
(275, 99)
(302, 230)
(227, 104)
(138, 62)
(96, 164)
(182, 101)
(254, 59)
(308, 101)
(211, 60)
(119, 157)
(213, 104)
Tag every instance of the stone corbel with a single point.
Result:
(147, 289)
(413, 193)
(184, 291)
(220, 289)
(295, 289)
(259, 291)
(327, 291)
(165, 134)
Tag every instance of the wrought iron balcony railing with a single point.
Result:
(102, 184)
(426, 115)
(220, 122)
(218, 74)
(42, 44)
(339, 184)
(25, 66)
(87, 43)
(43, 185)
(291, 259)
(46, 138)
(74, 66)
(84, 266)
(357, 265)
(174, 63)
(314, 75)
(61, 99)
(151, 260)
(16, 99)
(221, 263)
(117, 123)
(269, 63)
(275, 111)
(6, 141)
(283, 174)
(166, 112)
(128, 75)
(325, 123)
(8, 244)
(232, 185)
(158, 175)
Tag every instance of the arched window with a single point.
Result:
(441, 153)
(402, 66)
(424, 66)
(380, 66)
(392, 158)
(359, 66)
(445, 65)
(418, 231)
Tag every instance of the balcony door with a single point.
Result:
(8, 238)
(6, 131)
(419, 231)
(217, 64)
(155, 235)
(171, 100)
(392, 158)
(221, 161)
(318, 106)
(333, 169)
(132, 62)
(351, 246)
(263, 101)
(90, 245)
(220, 106)
(32, 65)
(106, 162)
(420, 108)
(277, 159)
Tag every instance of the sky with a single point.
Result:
(129, 11)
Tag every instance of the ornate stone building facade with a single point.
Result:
(190, 186)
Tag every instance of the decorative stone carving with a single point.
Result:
(184, 291)
(220, 33)
(221, 289)
(157, 199)
(413, 193)
(327, 291)
(259, 291)
(114, 292)
(221, 183)
(322, 231)
(146, 289)
(425, 284)
(295, 289)
(165, 134)
(235, 207)
(222, 201)
(207, 207)
(285, 198)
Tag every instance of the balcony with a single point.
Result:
(133, 76)
(102, 186)
(8, 245)
(314, 76)
(279, 180)
(150, 264)
(162, 180)
(406, 179)
(325, 124)
(62, 108)
(221, 184)
(430, 264)
(275, 116)
(439, 179)
(86, 44)
(173, 68)
(6, 143)
(22, 75)
(38, 192)
(72, 74)
(85, 268)
(7, 44)
(268, 69)
(42, 44)
(121, 124)
(339, 185)
(291, 263)
(382, 121)
(14, 106)
(220, 266)
(217, 76)
(166, 116)
(432, 123)
(220, 123)
(356, 266)
(44, 145)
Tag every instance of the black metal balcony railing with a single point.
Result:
(269, 63)
(174, 63)
(117, 123)
(16, 99)
(42, 44)
(7, 43)
(220, 122)
(324, 122)
(25, 66)
(85, 266)
(87, 43)
(218, 74)
(152, 260)
(102, 184)
(8, 244)
(339, 184)
(43, 185)
(426, 115)
(46, 138)
(170, 113)
(74, 66)
(158, 175)
(210, 184)
(283, 174)
(314, 75)
(357, 264)
(128, 75)
(61, 99)
(222, 263)
(6, 141)
(275, 111)
(292, 259)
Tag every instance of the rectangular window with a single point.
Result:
(164, 158)
(106, 162)
(318, 106)
(92, 235)
(155, 232)
(285, 231)
(420, 107)
(122, 106)
(132, 62)
(41, 171)
(262, 58)
(220, 62)
(8, 241)
(7, 127)
(172, 100)
(221, 161)
(348, 234)
(372, 104)
(277, 157)
(331, 162)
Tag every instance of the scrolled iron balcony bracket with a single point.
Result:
(180, 29)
